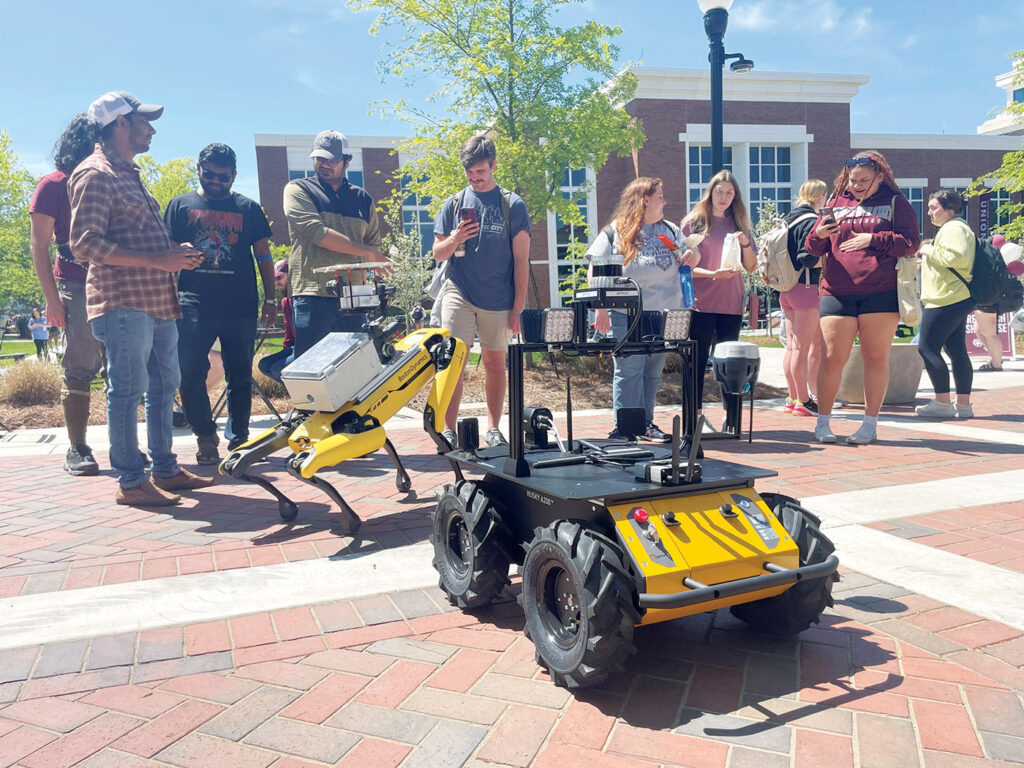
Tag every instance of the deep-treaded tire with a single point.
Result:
(470, 552)
(579, 602)
(802, 604)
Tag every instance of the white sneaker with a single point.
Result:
(965, 411)
(862, 436)
(933, 409)
(823, 434)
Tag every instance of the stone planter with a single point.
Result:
(905, 369)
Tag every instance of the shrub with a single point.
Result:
(31, 382)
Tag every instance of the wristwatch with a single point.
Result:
(271, 302)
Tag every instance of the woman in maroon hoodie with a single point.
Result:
(871, 226)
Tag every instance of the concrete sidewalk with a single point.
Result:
(210, 633)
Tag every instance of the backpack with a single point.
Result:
(774, 263)
(992, 286)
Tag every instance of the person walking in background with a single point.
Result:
(486, 244)
(131, 296)
(633, 241)
(719, 292)
(272, 365)
(330, 221)
(63, 284)
(802, 357)
(985, 324)
(40, 332)
(869, 226)
(219, 300)
(947, 302)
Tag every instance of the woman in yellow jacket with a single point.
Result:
(947, 302)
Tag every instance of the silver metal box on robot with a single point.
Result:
(331, 372)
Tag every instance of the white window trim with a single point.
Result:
(592, 232)
(733, 133)
(922, 183)
(955, 182)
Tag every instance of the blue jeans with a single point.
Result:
(196, 335)
(272, 365)
(316, 316)
(636, 378)
(142, 359)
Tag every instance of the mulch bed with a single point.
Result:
(591, 388)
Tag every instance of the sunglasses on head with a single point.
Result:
(853, 162)
(209, 175)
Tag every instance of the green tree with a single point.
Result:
(1010, 175)
(410, 268)
(18, 285)
(551, 97)
(168, 180)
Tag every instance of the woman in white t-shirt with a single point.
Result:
(632, 241)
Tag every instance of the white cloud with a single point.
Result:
(910, 41)
(315, 81)
(756, 16)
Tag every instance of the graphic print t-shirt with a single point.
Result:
(224, 285)
(654, 268)
(484, 276)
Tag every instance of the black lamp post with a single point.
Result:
(716, 19)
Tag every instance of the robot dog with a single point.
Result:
(610, 535)
(344, 389)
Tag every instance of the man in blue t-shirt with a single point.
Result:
(219, 298)
(487, 246)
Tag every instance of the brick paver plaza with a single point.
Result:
(891, 677)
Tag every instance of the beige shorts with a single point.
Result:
(461, 319)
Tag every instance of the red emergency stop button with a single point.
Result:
(641, 516)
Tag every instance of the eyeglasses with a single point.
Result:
(853, 162)
(209, 175)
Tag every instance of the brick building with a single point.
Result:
(779, 129)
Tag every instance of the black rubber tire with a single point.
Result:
(471, 559)
(582, 640)
(803, 603)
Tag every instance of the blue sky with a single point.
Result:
(226, 69)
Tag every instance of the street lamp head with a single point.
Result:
(707, 5)
(741, 65)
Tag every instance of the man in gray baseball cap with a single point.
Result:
(330, 221)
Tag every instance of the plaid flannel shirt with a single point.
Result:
(110, 209)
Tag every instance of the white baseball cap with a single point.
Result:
(109, 106)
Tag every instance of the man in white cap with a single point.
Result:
(330, 221)
(131, 296)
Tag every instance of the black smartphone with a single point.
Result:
(827, 216)
(468, 214)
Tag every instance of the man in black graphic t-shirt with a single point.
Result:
(219, 298)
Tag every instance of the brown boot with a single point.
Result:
(146, 495)
(183, 481)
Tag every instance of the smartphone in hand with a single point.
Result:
(468, 214)
(827, 215)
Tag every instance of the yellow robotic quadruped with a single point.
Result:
(319, 438)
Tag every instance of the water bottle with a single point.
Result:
(686, 285)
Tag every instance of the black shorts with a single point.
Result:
(858, 304)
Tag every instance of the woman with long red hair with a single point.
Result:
(859, 236)
(631, 242)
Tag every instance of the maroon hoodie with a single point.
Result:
(895, 233)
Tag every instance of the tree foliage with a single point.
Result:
(19, 288)
(551, 96)
(1010, 175)
(168, 180)
(410, 268)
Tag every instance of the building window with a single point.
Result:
(700, 170)
(770, 179)
(964, 211)
(1018, 95)
(998, 198)
(416, 217)
(293, 175)
(573, 182)
(915, 196)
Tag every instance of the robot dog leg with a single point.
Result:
(237, 463)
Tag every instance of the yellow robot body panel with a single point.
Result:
(714, 541)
